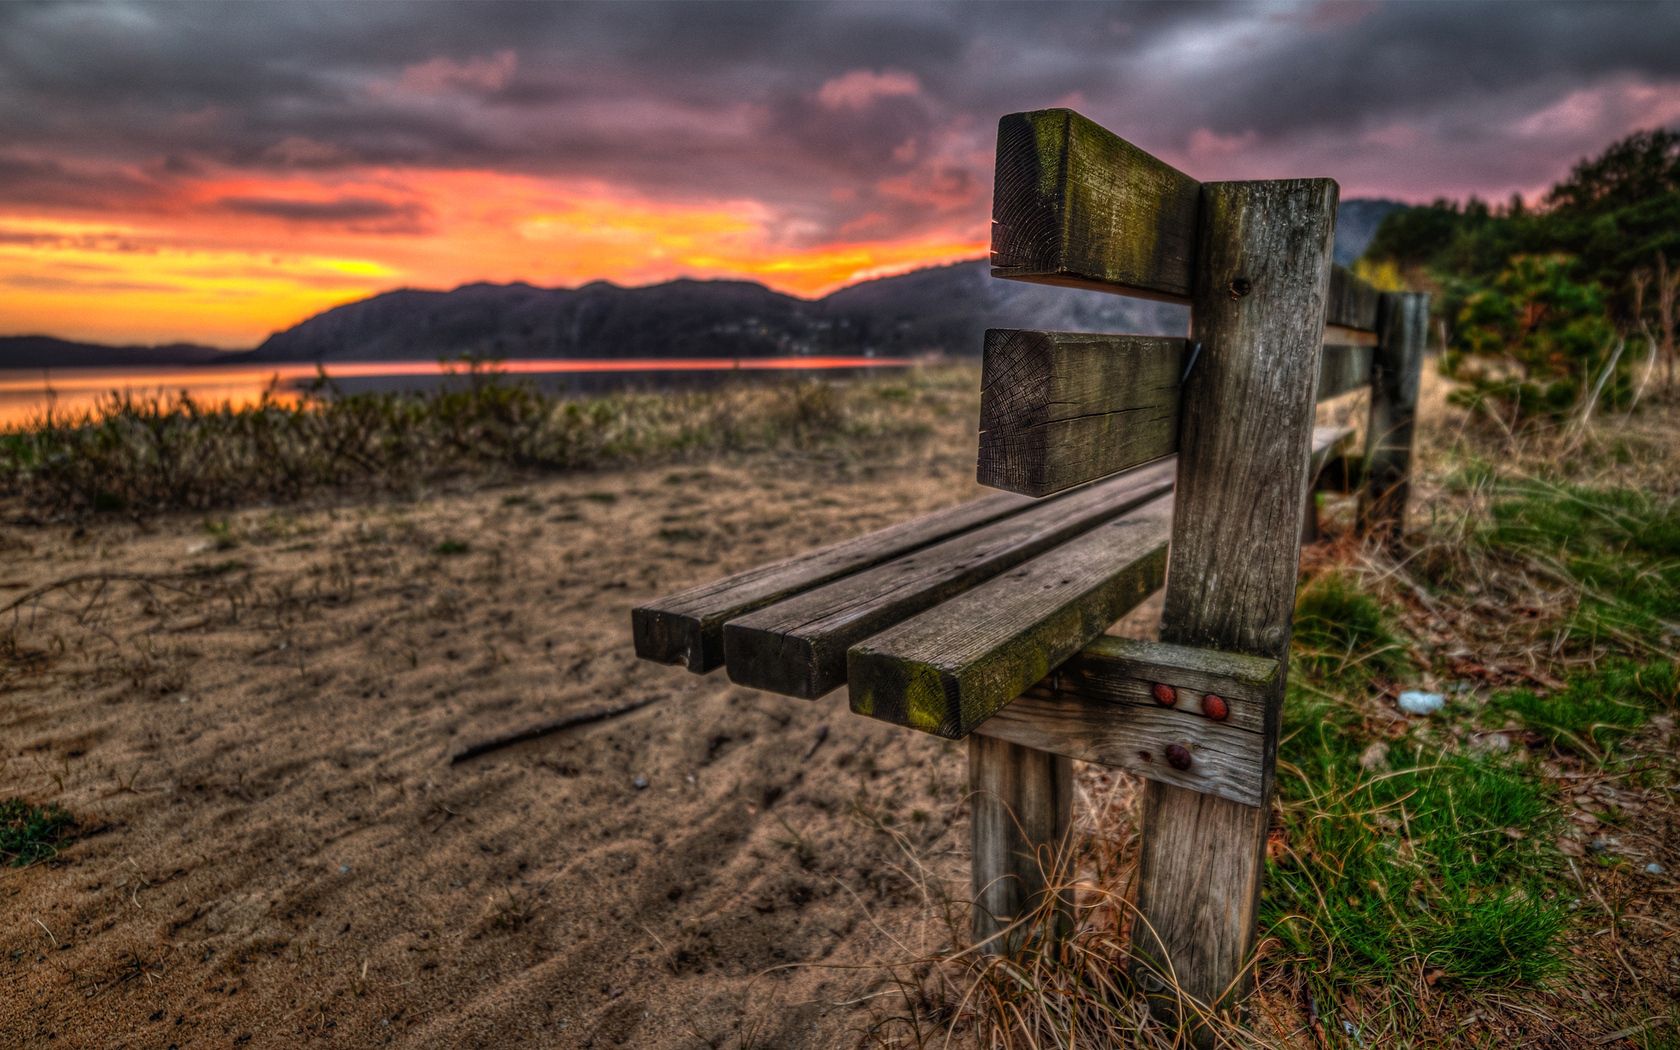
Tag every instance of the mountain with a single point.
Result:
(940, 310)
(43, 351)
(1356, 223)
(943, 309)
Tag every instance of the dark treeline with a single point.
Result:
(1558, 307)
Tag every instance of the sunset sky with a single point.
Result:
(213, 173)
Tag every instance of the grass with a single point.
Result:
(30, 832)
(1593, 711)
(1621, 547)
(142, 455)
(1412, 862)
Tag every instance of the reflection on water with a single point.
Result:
(26, 394)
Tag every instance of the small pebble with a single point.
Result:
(1654, 868)
(344, 869)
(639, 783)
(1414, 702)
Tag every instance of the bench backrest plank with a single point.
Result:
(1076, 205)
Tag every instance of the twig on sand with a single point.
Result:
(545, 728)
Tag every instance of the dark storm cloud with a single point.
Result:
(708, 101)
(368, 214)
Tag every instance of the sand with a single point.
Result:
(282, 853)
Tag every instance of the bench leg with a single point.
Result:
(1022, 800)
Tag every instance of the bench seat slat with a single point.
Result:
(949, 669)
(687, 627)
(797, 646)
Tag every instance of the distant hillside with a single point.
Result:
(42, 351)
(1356, 224)
(941, 310)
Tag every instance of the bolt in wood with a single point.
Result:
(1215, 707)
(1178, 756)
(1165, 695)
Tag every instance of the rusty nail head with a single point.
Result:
(1178, 756)
(1215, 707)
(1165, 694)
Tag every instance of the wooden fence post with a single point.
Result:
(1258, 308)
(1022, 802)
(1402, 328)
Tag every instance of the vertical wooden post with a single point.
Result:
(1023, 801)
(1402, 328)
(1245, 430)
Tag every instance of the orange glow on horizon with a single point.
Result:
(227, 262)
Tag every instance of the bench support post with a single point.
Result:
(1245, 430)
(1022, 801)
(1402, 329)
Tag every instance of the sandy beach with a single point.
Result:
(256, 716)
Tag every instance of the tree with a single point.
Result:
(1534, 341)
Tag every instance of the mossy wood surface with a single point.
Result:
(1074, 204)
(1342, 370)
(687, 627)
(1401, 336)
(798, 646)
(1022, 803)
(951, 668)
(1059, 409)
(1243, 474)
(1101, 707)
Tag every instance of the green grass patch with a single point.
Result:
(451, 548)
(29, 833)
(1621, 545)
(1342, 634)
(1437, 864)
(1591, 712)
(1428, 863)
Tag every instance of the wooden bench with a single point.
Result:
(1129, 462)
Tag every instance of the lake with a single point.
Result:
(25, 394)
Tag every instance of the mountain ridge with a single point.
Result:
(934, 310)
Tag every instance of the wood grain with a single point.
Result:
(954, 666)
(1074, 204)
(1401, 337)
(1242, 479)
(1100, 707)
(1059, 409)
(1342, 370)
(687, 627)
(1022, 803)
(797, 646)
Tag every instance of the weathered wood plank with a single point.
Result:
(1394, 392)
(798, 646)
(1059, 409)
(687, 627)
(1074, 204)
(1342, 370)
(1101, 706)
(1350, 301)
(956, 665)
(1242, 479)
(1022, 803)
